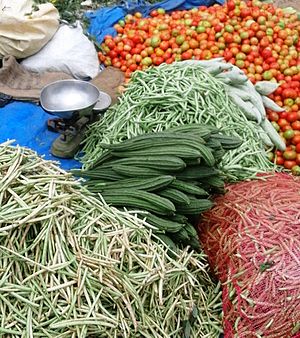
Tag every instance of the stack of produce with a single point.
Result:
(168, 174)
(252, 100)
(287, 123)
(171, 95)
(252, 239)
(259, 38)
(71, 266)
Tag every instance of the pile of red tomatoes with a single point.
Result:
(287, 123)
(257, 37)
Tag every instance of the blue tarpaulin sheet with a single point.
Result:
(26, 122)
(103, 19)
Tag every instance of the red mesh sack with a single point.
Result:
(252, 239)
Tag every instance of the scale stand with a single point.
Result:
(76, 104)
(72, 133)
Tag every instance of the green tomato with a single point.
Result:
(175, 32)
(296, 170)
(288, 134)
(161, 11)
(155, 41)
(270, 156)
(229, 28)
(121, 23)
(188, 22)
(180, 39)
(163, 27)
(200, 29)
(185, 46)
(206, 24)
(244, 35)
(241, 56)
(147, 61)
(240, 63)
(267, 75)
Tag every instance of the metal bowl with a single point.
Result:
(66, 97)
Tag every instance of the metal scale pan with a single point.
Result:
(75, 103)
(69, 97)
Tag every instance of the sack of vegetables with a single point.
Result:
(252, 239)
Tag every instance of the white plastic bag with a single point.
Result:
(69, 51)
(24, 31)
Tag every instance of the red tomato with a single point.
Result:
(289, 164)
(165, 36)
(282, 122)
(289, 155)
(167, 55)
(231, 5)
(279, 160)
(158, 60)
(296, 125)
(113, 54)
(298, 159)
(296, 140)
(133, 67)
(286, 127)
(273, 116)
(298, 148)
(154, 13)
(292, 117)
(186, 55)
(289, 93)
(245, 12)
(266, 53)
(194, 43)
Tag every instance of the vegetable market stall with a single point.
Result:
(160, 157)
(72, 266)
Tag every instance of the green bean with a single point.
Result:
(81, 268)
(169, 95)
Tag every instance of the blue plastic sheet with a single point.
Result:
(26, 124)
(102, 20)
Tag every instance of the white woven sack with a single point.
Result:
(23, 30)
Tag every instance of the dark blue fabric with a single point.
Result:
(26, 123)
(103, 19)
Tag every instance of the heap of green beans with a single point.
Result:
(71, 266)
(170, 95)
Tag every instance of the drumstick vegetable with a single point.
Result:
(72, 266)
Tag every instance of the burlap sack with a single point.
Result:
(108, 81)
(23, 84)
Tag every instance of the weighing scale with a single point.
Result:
(76, 104)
